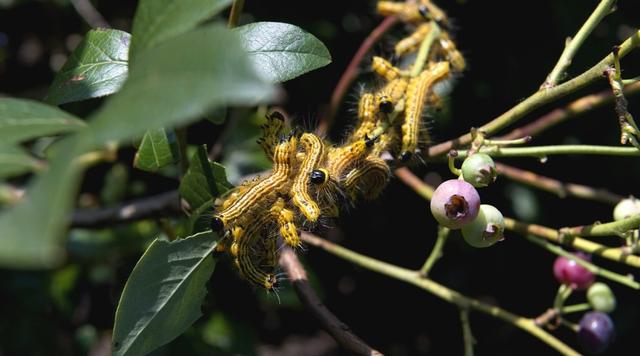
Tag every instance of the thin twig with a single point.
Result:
(340, 332)
(571, 110)
(613, 228)
(440, 291)
(156, 206)
(89, 14)
(557, 187)
(539, 99)
(352, 72)
(467, 335)
(573, 44)
(436, 253)
(544, 151)
(626, 280)
(234, 15)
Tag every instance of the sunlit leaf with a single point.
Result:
(281, 51)
(97, 67)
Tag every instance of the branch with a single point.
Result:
(544, 151)
(440, 291)
(573, 109)
(614, 228)
(156, 206)
(557, 187)
(89, 14)
(352, 72)
(573, 44)
(340, 332)
(539, 99)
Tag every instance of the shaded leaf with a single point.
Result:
(204, 181)
(157, 149)
(163, 295)
(16, 161)
(158, 20)
(176, 82)
(22, 119)
(97, 67)
(281, 51)
(179, 80)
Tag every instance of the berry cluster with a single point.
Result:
(456, 203)
(596, 329)
(312, 179)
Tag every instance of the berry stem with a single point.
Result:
(575, 308)
(436, 253)
(440, 291)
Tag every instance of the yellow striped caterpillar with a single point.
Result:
(314, 154)
(418, 90)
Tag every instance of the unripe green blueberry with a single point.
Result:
(455, 203)
(601, 297)
(626, 208)
(486, 229)
(479, 170)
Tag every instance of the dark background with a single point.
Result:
(510, 47)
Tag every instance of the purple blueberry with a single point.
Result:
(596, 332)
(568, 272)
(455, 203)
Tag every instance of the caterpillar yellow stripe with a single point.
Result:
(271, 133)
(277, 180)
(384, 68)
(314, 154)
(367, 113)
(245, 240)
(285, 219)
(417, 91)
(369, 179)
(412, 42)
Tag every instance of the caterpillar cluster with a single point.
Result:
(312, 179)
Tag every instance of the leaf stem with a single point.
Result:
(425, 47)
(440, 291)
(573, 44)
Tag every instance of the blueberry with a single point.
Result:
(596, 332)
(455, 203)
(568, 272)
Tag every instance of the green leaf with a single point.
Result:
(163, 295)
(22, 119)
(16, 161)
(204, 181)
(281, 51)
(97, 67)
(158, 20)
(178, 81)
(175, 83)
(31, 231)
(156, 150)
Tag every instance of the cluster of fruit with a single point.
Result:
(456, 203)
(312, 179)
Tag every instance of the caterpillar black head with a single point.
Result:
(319, 176)
(217, 223)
